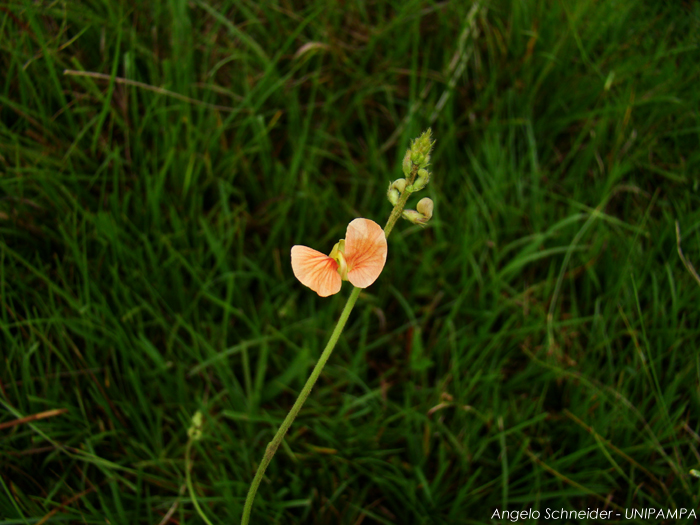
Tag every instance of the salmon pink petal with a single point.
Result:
(316, 270)
(365, 252)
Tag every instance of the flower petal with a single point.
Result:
(316, 270)
(365, 252)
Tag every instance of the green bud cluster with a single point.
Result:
(420, 149)
(195, 430)
(415, 169)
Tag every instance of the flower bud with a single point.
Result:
(422, 215)
(425, 208)
(395, 190)
(417, 157)
(400, 184)
(413, 216)
(393, 195)
(407, 165)
(422, 179)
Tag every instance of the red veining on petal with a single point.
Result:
(316, 270)
(365, 251)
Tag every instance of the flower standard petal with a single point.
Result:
(316, 270)
(365, 252)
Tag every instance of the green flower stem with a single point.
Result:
(190, 487)
(279, 436)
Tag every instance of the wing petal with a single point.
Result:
(316, 270)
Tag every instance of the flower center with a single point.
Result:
(338, 255)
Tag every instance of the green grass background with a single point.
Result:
(536, 346)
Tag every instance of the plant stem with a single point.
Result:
(190, 487)
(279, 436)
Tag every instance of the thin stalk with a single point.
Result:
(190, 486)
(279, 436)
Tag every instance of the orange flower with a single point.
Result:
(359, 258)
